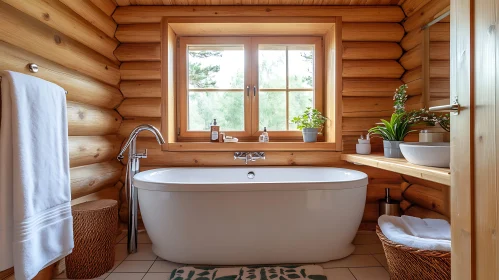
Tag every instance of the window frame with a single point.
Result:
(251, 99)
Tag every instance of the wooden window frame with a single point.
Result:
(332, 77)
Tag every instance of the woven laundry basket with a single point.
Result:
(94, 228)
(406, 263)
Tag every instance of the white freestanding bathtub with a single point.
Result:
(251, 215)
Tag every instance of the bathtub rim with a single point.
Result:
(140, 183)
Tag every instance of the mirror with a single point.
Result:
(436, 62)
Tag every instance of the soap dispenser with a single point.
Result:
(264, 137)
(214, 131)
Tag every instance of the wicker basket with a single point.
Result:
(406, 263)
(94, 226)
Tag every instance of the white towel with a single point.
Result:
(427, 228)
(395, 229)
(36, 225)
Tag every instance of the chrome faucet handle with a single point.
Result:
(141, 155)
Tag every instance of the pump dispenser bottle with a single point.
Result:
(214, 131)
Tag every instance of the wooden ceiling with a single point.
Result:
(259, 2)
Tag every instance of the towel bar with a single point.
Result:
(65, 91)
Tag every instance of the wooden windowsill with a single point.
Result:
(250, 146)
(400, 165)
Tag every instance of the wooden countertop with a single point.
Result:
(400, 165)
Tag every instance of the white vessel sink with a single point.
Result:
(436, 154)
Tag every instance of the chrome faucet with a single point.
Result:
(132, 168)
(249, 156)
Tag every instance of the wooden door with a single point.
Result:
(474, 139)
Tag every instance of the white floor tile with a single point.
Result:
(362, 239)
(116, 263)
(157, 276)
(125, 276)
(164, 266)
(353, 261)
(134, 266)
(381, 259)
(63, 276)
(370, 273)
(144, 253)
(367, 249)
(338, 274)
(120, 252)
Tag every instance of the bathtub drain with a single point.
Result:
(251, 175)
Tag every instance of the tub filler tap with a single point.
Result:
(249, 156)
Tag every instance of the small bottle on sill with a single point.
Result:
(214, 131)
(264, 138)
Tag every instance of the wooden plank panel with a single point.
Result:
(129, 124)
(367, 106)
(412, 58)
(440, 32)
(439, 85)
(92, 178)
(58, 16)
(370, 87)
(138, 52)
(140, 107)
(84, 120)
(352, 126)
(372, 69)
(94, 15)
(84, 150)
(374, 32)
(139, 33)
(135, 89)
(439, 69)
(80, 88)
(27, 33)
(440, 51)
(140, 71)
(371, 50)
(426, 14)
(144, 14)
(107, 6)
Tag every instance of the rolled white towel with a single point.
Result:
(396, 230)
(427, 228)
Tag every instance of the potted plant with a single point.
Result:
(310, 122)
(393, 133)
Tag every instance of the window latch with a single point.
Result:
(247, 90)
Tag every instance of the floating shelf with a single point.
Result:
(400, 165)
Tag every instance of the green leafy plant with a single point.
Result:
(394, 130)
(311, 118)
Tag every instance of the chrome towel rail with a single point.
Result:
(33, 68)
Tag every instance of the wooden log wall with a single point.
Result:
(371, 73)
(418, 14)
(74, 51)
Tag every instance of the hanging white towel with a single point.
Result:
(427, 228)
(36, 225)
(396, 230)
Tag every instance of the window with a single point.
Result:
(247, 84)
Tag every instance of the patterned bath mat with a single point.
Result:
(289, 272)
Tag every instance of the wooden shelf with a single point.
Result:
(400, 165)
(250, 146)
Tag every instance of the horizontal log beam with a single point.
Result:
(425, 14)
(375, 192)
(145, 14)
(86, 120)
(425, 197)
(371, 212)
(139, 33)
(371, 50)
(412, 75)
(84, 150)
(58, 16)
(355, 107)
(370, 87)
(129, 124)
(140, 107)
(140, 71)
(92, 178)
(412, 39)
(372, 69)
(373, 32)
(415, 87)
(412, 6)
(108, 192)
(94, 15)
(80, 88)
(138, 52)
(137, 89)
(107, 6)
(25, 32)
(412, 58)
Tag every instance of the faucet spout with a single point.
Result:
(135, 132)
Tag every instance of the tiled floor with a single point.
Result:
(366, 263)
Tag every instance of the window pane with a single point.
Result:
(272, 66)
(301, 66)
(216, 66)
(298, 102)
(272, 110)
(226, 107)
